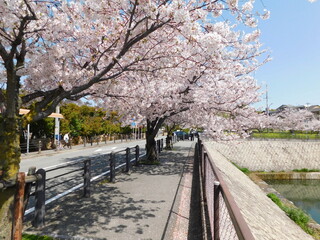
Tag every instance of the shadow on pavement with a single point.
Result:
(132, 207)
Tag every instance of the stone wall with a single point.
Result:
(271, 155)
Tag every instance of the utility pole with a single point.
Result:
(267, 101)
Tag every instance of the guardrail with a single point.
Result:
(222, 218)
(46, 182)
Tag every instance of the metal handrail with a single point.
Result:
(38, 179)
(242, 229)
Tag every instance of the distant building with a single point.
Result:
(315, 109)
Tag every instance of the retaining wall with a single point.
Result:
(271, 155)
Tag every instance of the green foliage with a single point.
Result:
(35, 237)
(295, 214)
(299, 217)
(244, 170)
(171, 128)
(286, 135)
(81, 121)
(43, 127)
(275, 199)
(306, 170)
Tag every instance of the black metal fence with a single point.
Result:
(221, 216)
(47, 185)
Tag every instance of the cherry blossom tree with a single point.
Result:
(294, 120)
(204, 81)
(54, 50)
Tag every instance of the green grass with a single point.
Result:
(244, 170)
(285, 135)
(296, 214)
(306, 170)
(35, 237)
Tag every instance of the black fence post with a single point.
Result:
(216, 225)
(40, 199)
(161, 144)
(137, 154)
(112, 167)
(87, 178)
(127, 159)
(158, 146)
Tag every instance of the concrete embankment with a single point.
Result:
(265, 219)
(271, 155)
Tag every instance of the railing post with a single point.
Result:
(137, 154)
(39, 146)
(161, 144)
(112, 167)
(158, 146)
(200, 148)
(216, 225)
(40, 198)
(31, 171)
(203, 155)
(87, 178)
(127, 159)
(18, 207)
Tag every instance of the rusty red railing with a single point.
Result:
(222, 216)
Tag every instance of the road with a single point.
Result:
(52, 158)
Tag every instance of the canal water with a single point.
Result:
(305, 194)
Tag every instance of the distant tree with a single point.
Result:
(42, 128)
(88, 121)
(294, 120)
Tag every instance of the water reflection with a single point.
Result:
(305, 194)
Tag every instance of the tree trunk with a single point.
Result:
(169, 138)
(168, 142)
(9, 150)
(152, 130)
(152, 155)
(9, 167)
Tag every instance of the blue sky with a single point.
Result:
(292, 35)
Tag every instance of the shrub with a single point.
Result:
(35, 237)
(295, 214)
(244, 170)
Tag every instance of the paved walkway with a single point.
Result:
(152, 202)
